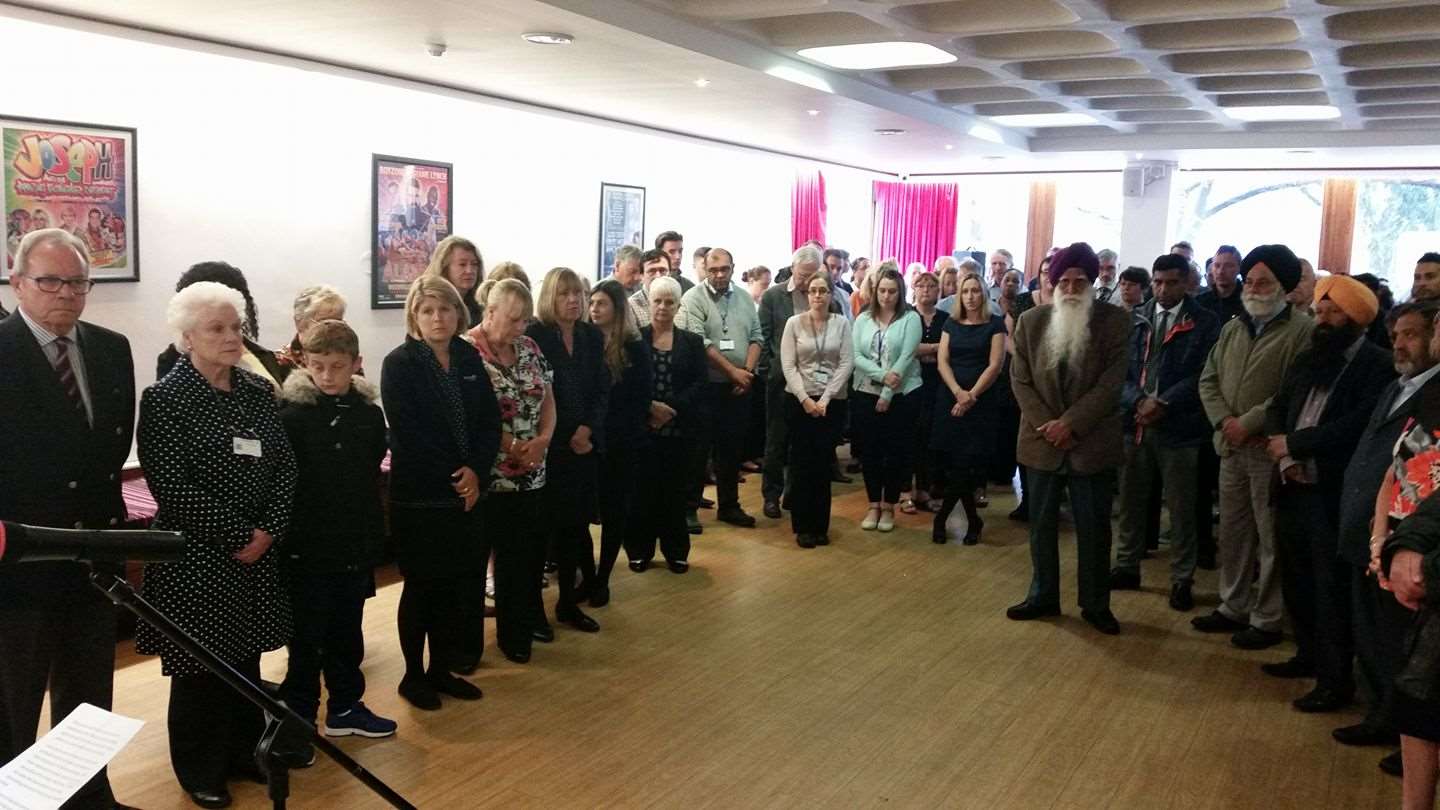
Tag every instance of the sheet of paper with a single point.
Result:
(61, 762)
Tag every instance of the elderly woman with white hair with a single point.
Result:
(316, 303)
(220, 466)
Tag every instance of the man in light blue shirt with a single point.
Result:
(725, 316)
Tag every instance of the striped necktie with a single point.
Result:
(66, 372)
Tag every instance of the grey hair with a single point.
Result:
(1107, 253)
(49, 236)
(969, 265)
(666, 284)
(1009, 257)
(943, 262)
(183, 311)
(805, 254)
(627, 253)
(913, 269)
(312, 298)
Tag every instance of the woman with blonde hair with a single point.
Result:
(576, 353)
(458, 261)
(444, 432)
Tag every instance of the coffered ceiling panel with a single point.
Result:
(1252, 61)
(1152, 116)
(1211, 34)
(1391, 54)
(1388, 95)
(975, 95)
(1259, 81)
(939, 78)
(815, 30)
(1403, 123)
(1383, 25)
(1115, 87)
(982, 16)
(1040, 44)
(1139, 103)
(1393, 77)
(1144, 10)
(1058, 69)
(1416, 110)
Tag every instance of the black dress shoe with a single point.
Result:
(736, 516)
(853, 467)
(692, 523)
(1253, 638)
(516, 656)
(772, 510)
(1181, 598)
(418, 692)
(972, 532)
(1217, 622)
(1102, 620)
(1021, 513)
(543, 634)
(1122, 580)
(840, 478)
(785, 503)
(821, 539)
(211, 798)
(1295, 667)
(458, 688)
(1392, 764)
(678, 566)
(639, 566)
(1206, 562)
(705, 503)
(1027, 610)
(1322, 699)
(577, 620)
(1365, 734)
(804, 541)
(600, 596)
(465, 667)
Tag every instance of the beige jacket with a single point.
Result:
(1244, 371)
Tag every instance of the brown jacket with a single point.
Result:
(1090, 401)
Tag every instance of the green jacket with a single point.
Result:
(1244, 370)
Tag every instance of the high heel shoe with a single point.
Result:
(972, 530)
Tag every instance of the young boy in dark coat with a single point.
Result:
(337, 529)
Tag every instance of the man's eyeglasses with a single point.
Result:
(52, 284)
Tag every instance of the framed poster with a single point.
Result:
(622, 222)
(410, 210)
(80, 177)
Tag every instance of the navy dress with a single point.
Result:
(968, 442)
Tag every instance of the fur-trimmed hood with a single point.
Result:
(301, 390)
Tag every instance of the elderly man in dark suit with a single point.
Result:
(1067, 375)
(67, 389)
(1313, 424)
(1377, 620)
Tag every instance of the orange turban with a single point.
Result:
(1353, 297)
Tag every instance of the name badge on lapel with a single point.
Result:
(247, 447)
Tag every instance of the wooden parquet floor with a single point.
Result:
(879, 671)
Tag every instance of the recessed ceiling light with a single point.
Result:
(878, 55)
(949, 146)
(986, 133)
(702, 82)
(993, 157)
(547, 38)
(812, 112)
(1068, 119)
(800, 77)
(889, 132)
(1299, 151)
(1284, 112)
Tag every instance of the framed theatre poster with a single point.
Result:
(410, 207)
(622, 222)
(80, 177)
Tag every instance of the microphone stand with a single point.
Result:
(279, 718)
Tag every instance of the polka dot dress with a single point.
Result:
(188, 438)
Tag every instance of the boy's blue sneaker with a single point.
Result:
(358, 720)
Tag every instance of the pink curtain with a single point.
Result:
(807, 209)
(914, 222)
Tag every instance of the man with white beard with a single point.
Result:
(1067, 375)
(1242, 375)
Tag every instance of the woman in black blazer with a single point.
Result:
(575, 351)
(678, 373)
(626, 435)
(444, 436)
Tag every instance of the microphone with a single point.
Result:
(20, 543)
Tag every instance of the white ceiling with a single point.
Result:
(1157, 75)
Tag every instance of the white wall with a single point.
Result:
(267, 166)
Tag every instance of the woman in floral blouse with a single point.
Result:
(522, 381)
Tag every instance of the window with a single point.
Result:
(1396, 221)
(1246, 209)
(992, 213)
(1088, 209)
